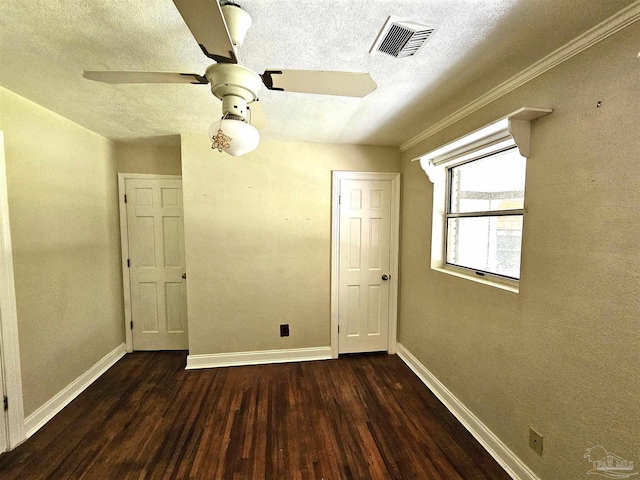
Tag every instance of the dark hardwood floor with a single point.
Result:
(358, 417)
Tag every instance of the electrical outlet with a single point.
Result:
(284, 330)
(535, 441)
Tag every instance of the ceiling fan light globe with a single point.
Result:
(243, 137)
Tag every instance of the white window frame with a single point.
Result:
(509, 131)
(478, 214)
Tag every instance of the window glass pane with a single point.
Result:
(491, 244)
(491, 183)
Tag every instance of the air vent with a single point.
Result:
(401, 38)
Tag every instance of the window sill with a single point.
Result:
(509, 286)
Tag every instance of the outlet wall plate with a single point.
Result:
(535, 441)
(284, 330)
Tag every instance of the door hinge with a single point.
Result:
(125, 198)
(6, 403)
(128, 263)
(338, 328)
(131, 324)
(339, 199)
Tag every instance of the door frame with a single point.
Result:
(124, 242)
(394, 244)
(10, 354)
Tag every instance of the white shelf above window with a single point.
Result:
(515, 127)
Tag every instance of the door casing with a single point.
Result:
(394, 178)
(9, 347)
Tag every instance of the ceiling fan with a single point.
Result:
(220, 28)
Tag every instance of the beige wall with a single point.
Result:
(562, 355)
(150, 156)
(62, 190)
(258, 233)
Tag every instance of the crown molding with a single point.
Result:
(613, 24)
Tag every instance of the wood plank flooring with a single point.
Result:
(358, 417)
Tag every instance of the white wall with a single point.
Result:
(153, 156)
(562, 355)
(62, 190)
(258, 237)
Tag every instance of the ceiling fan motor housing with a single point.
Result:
(235, 85)
(238, 21)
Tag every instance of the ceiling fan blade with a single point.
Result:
(204, 19)
(347, 84)
(257, 116)
(144, 77)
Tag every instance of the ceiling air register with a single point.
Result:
(401, 38)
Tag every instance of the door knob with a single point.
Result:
(385, 277)
(184, 275)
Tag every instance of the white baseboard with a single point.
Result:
(515, 467)
(234, 359)
(46, 412)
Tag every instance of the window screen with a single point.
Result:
(485, 206)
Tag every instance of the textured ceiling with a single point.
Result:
(46, 44)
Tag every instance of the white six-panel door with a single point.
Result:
(155, 231)
(364, 265)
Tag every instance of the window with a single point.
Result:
(484, 212)
(478, 200)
